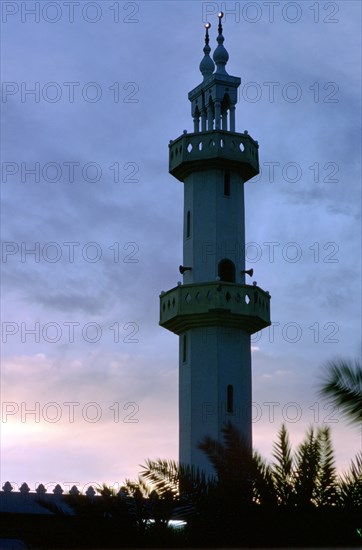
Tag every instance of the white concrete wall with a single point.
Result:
(217, 356)
(217, 225)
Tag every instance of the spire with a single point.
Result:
(207, 65)
(220, 56)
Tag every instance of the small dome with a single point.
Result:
(207, 66)
(221, 56)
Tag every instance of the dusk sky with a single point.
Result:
(92, 93)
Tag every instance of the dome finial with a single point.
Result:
(207, 66)
(220, 16)
(220, 56)
(207, 39)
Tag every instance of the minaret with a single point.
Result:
(214, 312)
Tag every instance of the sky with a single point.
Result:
(92, 93)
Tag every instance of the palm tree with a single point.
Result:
(243, 479)
(246, 491)
(342, 383)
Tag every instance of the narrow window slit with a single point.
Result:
(227, 184)
(184, 348)
(230, 399)
(188, 224)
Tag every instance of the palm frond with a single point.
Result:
(282, 468)
(264, 489)
(327, 490)
(215, 452)
(138, 488)
(307, 467)
(162, 474)
(168, 476)
(350, 483)
(233, 463)
(342, 383)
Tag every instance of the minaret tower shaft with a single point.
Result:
(214, 312)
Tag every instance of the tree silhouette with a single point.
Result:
(306, 478)
(296, 498)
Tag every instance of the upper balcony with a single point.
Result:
(218, 149)
(246, 307)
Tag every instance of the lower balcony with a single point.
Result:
(246, 307)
